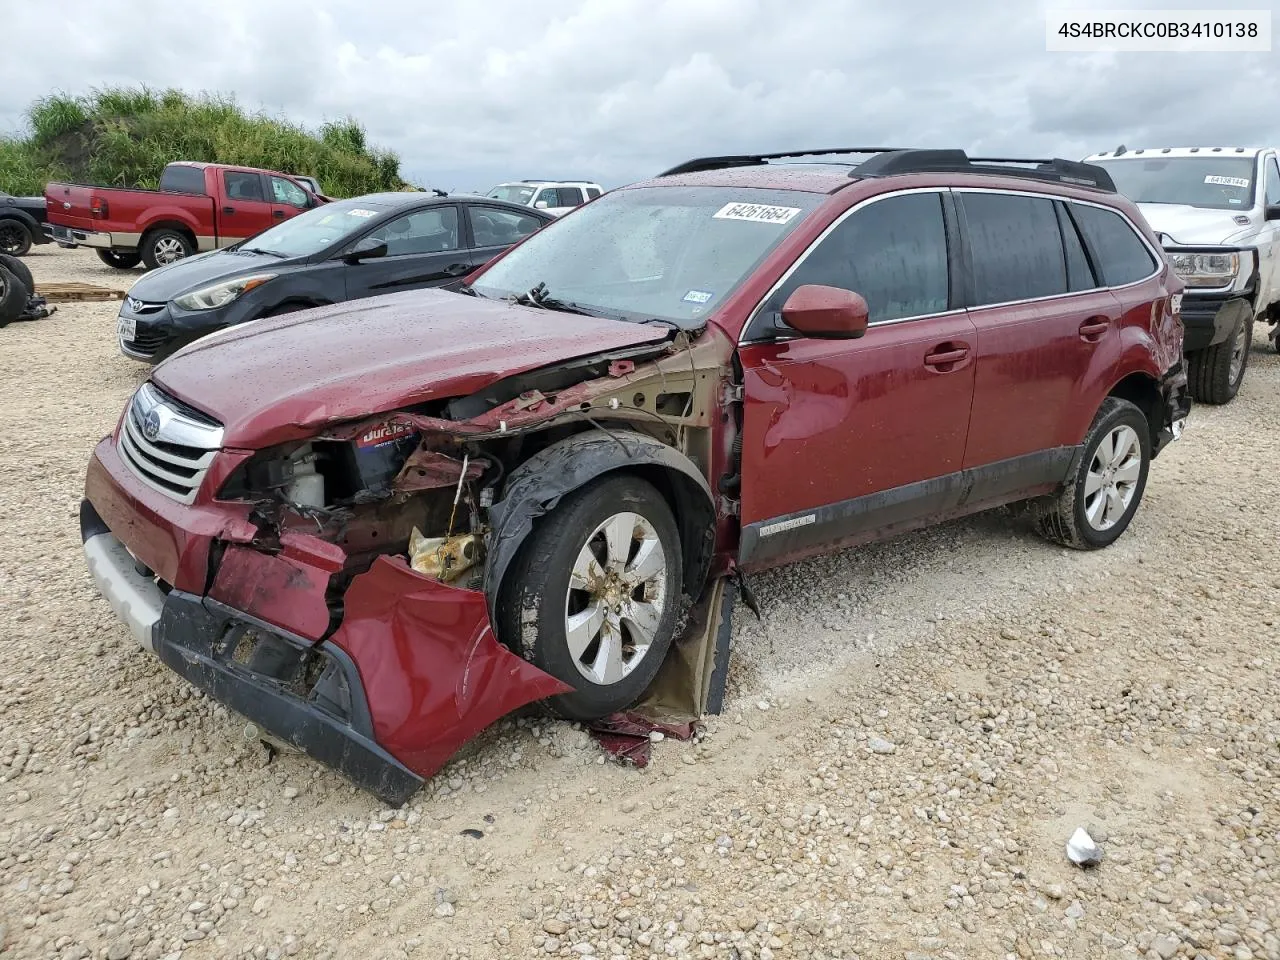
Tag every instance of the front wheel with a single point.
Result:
(120, 259)
(162, 247)
(1215, 373)
(1097, 503)
(593, 597)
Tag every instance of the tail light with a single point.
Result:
(98, 208)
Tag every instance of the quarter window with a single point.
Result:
(892, 251)
(243, 186)
(1118, 252)
(1015, 246)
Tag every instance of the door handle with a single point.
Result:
(278, 214)
(1093, 328)
(457, 269)
(946, 354)
(228, 209)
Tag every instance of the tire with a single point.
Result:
(19, 270)
(1215, 373)
(538, 600)
(13, 297)
(15, 238)
(162, 247)
(1070, 517)
(120, 259)
(285, 308)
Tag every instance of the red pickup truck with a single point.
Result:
(199, 206)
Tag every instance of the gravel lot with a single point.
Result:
(913, 732)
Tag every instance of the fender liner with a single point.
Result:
(537, 485)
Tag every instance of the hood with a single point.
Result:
(283, 378)
(1193, 226)
(192, 273)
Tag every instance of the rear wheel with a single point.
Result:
(162, 247)
(593, 597)
(120, 259)
(15, 238)
(19, 270)
(1215, 373)
(13, 297)
(1097, 504)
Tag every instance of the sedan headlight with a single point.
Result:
(220, 294)
(1206, 269)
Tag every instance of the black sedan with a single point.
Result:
(21, 223)
(380, 243)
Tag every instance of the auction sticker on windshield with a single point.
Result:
(1227, 181)
(361, 213)
(757, 212)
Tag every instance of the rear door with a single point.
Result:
(243, 208)
(1048, 335)
(844, 438)
(287, 198)
(424, 249)
(493, 229)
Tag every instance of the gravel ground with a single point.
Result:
(913, 732)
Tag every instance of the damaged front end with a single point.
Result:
(346, 606)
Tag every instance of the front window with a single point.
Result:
(286, 191)
(309, 233)
(1212, 182)
(667, 253)
(512, 193)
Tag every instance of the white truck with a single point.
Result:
(1217, 213)
(554, 196)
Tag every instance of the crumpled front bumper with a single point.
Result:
(412, 673)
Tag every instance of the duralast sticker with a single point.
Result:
(1227, 181)
(386, 433)
(755, 212)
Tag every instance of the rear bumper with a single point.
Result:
(1208, 320)
(1176, 399)
(85, 238)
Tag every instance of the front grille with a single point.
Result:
(141, 308)
(174, 454)
(146, 341)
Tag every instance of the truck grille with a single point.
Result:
(167, 444)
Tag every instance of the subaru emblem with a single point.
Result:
(151, 426)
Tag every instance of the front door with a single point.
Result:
(287, 199)
(245, 210)
(424, 249)
(844, 440)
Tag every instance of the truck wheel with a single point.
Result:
(15, 238)
(120, 259)
(13, 297)
(161, 247)
(592, 598)
(19, 270)
(1215, 373)
(1097, 503)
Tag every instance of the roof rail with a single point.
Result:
(892, 161)
(1055, 170)
(758, 159)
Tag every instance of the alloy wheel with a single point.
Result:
(1112, 480)
(1239, 353)
(169, 249)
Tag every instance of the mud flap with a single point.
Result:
(692, 680)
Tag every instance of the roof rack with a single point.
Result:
(894, 161)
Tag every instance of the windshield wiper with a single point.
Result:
(538, 297)
(269, 253)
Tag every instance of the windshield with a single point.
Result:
(1214, 182)
(309, 233)
(668, 253)
(512, 193)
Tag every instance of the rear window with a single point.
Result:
(1016, 248)
(182, 179)
(1118, 252)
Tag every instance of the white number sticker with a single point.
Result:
(361, 213)
(756, 212)
(1227, 181)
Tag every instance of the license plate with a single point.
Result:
(127, 328)
(1177, 427)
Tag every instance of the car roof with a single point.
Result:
(1122, 153)
(394, 199)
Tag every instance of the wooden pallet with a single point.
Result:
(67, 292)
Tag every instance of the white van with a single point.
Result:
(554, 196)
(1217, 211)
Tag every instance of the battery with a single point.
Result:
(375, 457)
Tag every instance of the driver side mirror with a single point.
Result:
(826, 313)
(1271, 212)
(367, 249)
(541, 204)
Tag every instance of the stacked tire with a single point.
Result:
(17, 286)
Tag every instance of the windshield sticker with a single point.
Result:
(357, 212)
(698, 296)
(1227, 181)
(757, 212)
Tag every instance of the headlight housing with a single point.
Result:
(1206, 269)
(222, 293)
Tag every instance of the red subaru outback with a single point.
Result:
(374, 528)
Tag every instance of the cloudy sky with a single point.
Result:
(613, 90)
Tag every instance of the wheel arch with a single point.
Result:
(177, 226)
(536, 486)
(1143, 391)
